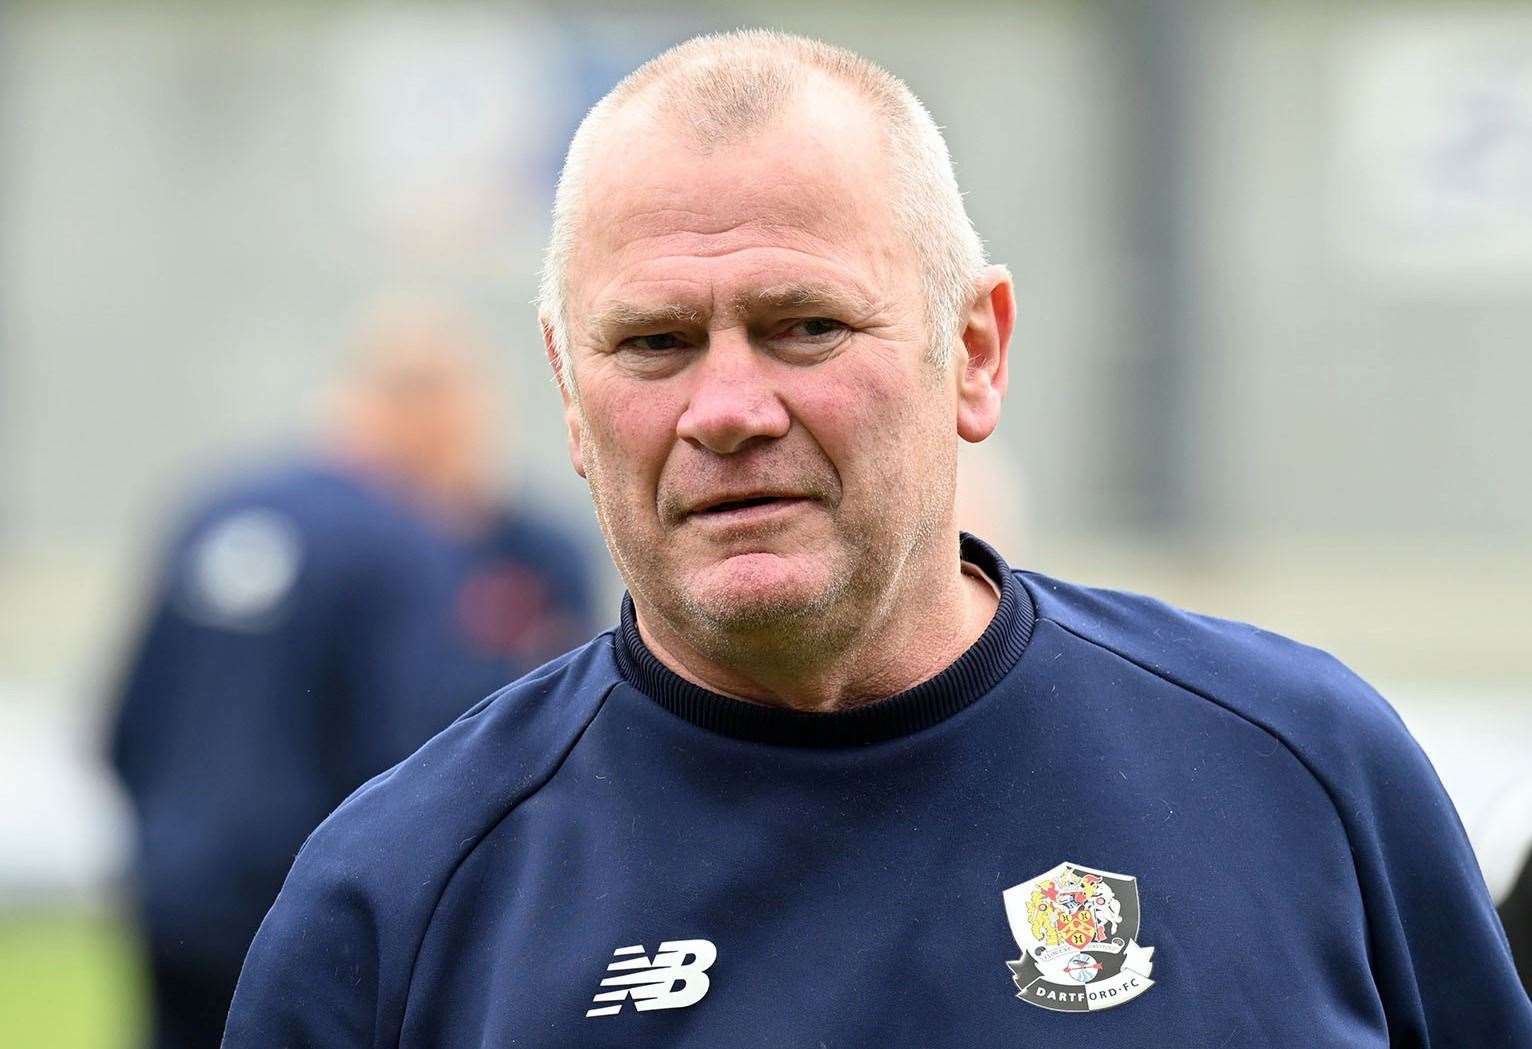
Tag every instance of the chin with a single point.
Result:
(753, 591)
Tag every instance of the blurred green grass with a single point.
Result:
(69, 980)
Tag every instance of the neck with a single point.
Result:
(451, 501)
(912, 633)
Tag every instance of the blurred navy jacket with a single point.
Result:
(309, 630)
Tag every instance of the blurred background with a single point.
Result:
(1274, 267)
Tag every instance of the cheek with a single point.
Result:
(628, 430)
(872, 421)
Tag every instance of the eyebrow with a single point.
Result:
(626, 315)
(789, 295)
(796, 295)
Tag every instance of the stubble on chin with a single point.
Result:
(744, 621)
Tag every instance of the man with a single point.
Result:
(839, 777)
(316, 621)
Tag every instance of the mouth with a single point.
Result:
(748, 507)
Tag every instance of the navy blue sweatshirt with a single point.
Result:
(1108, 823)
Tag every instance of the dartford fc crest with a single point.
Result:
(1076, 928)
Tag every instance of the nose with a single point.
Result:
(733, 402)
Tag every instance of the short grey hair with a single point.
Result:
(721, 87)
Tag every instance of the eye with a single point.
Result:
(815, 327)
(659, 343)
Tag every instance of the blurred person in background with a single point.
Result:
(316, 620)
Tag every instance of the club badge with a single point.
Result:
(1076, 928)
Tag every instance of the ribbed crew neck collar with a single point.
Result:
(973, 674)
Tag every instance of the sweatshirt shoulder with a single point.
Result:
(334, 957)
(1298, 692)
(1443, 974)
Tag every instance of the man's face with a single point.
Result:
(764, 435)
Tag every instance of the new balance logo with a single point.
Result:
(674, 979)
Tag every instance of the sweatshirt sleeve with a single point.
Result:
(311, 979)
(1439, 954)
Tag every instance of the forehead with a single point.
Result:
(806, 195)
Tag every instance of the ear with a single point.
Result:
(571, 409)
(983, 371)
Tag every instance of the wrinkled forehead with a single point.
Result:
(814, 178)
